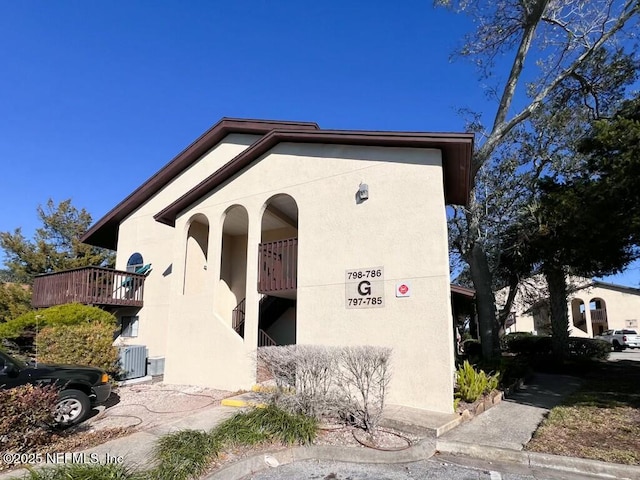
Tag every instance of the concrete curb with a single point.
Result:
(413, 429)
(540, 460)
(256, 463)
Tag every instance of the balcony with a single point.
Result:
(598, 315)
(278, 267)
(88, 285)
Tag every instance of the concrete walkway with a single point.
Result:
(512, 422)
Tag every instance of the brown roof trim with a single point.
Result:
(467, 292)
(104, 233)
(456, 150)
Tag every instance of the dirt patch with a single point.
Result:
(146, 406)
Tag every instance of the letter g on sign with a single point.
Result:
(364, 287)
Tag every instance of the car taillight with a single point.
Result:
(104, 378)
(624, 338)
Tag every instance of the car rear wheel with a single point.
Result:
(617, 347)
(72, 407)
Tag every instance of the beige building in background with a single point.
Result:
(263, 233)
(593, 307)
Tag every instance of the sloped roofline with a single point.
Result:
(613, 286)
(456, 151)
(104, 233)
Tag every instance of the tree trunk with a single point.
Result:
(557, 283)
(485, 302)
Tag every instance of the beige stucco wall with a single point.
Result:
(621, 305)
(139, 232)
(401, 227)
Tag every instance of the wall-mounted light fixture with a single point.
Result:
(363, 192)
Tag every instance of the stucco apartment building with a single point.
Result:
(593, 307)
(264, 232)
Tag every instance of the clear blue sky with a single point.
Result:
(95, 97)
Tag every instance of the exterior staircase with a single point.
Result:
(271, 308)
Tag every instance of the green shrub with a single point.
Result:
(15, 299)
(84, 344)
(507, 340)
(531, 345)
(471, 384)
(26, 417)
(588, 348)
(512, 369)
(68, 314)
(472, 348)
(540, 347)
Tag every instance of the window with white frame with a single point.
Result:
(135, 262)
(129, 326)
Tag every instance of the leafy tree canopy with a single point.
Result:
(15, 299)
(56, 244)
(551, 67)
(585, 224)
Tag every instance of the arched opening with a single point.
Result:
(278, 271)
(231, 292)
(598, 314)
(578, 314)
(195, 267)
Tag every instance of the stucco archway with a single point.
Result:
(229, 300)
(197, 246)
(598, 316)
(278, 271)
(578, 314)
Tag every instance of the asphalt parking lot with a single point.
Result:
(628, 354)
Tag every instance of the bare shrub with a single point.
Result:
(364, 379)
(322, 381)
(304, 377)
(280, 362)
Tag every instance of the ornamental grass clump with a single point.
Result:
(184, 454)
(189, 453)
(471, 383)
(87, 472)
(266, 424)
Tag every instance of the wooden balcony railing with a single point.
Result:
(278, 266)
(88, 285)
(598, 315)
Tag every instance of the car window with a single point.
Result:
(629, 332)
(7, 360)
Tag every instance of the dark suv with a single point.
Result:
(80, 387)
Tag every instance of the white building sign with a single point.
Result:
(364, 287)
